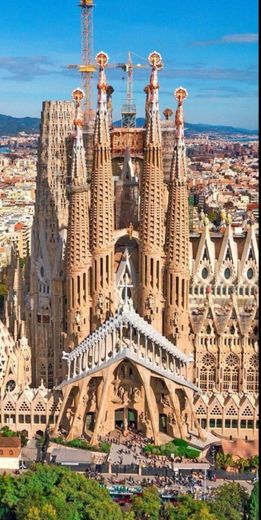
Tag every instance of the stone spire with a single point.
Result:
(176, 327)
(78, 256)
(102, 216)
(152, 210)
(45, 307)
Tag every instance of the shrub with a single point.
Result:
(177, 447)
(82, 444)
(181, 442)
(105, 447)
(6, 432)
(192, 453)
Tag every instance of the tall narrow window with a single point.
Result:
(158, 274)
(78, 289)
(84, 286)
(151, 272)
(107, 269)
(183, 293)
(101, 272)
(231, 374)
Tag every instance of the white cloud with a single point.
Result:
(230, 38)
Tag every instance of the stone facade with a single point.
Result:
(45, 301)
(132, 322)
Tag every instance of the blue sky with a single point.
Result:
(209, 47)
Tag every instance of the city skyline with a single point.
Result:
(212, 53)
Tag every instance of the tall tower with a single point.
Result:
(46, 302)
(128, 111)
(87, 68)
(176, 325)
(78, 256)
(152, 210)
(102, 217)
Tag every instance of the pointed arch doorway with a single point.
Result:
(126, 419)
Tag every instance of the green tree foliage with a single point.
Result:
(22, 262)
(147, 505)
(55, 493)
(224, 460)
(243, 464)
(187, 508)
(229, 502)
(177, 447)
(253, 504)
(82, 444)
(6, 432)
(254, 462)
(47, 512)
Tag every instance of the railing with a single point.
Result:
(135, 469)
(125, 468)
(237, 475)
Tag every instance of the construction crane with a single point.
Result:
(87, 67)
(128, 111)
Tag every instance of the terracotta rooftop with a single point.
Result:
(18, 226)
(10, 442)
(240, 448)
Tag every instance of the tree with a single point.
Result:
(188, 508)
(56, 493)
(253, 504)
(224, 460)
(6, 432)
(242, 464)
(229, 501)
(254, 462)
(147, 505)
(47, 512)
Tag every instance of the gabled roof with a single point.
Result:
(128, 316)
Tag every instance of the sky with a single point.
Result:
(208, 47)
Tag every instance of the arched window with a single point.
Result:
(252, 380)
(231, 374)
(203, 378)
(207, 375)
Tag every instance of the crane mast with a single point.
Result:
(87, 66)
(128, 111)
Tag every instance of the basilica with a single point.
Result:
(121, 317)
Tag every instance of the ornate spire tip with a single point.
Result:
(78, 94)
(102, 59)
(180, 94)
(155, 60)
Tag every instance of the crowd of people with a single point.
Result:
(194, 484)
(130, 450)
